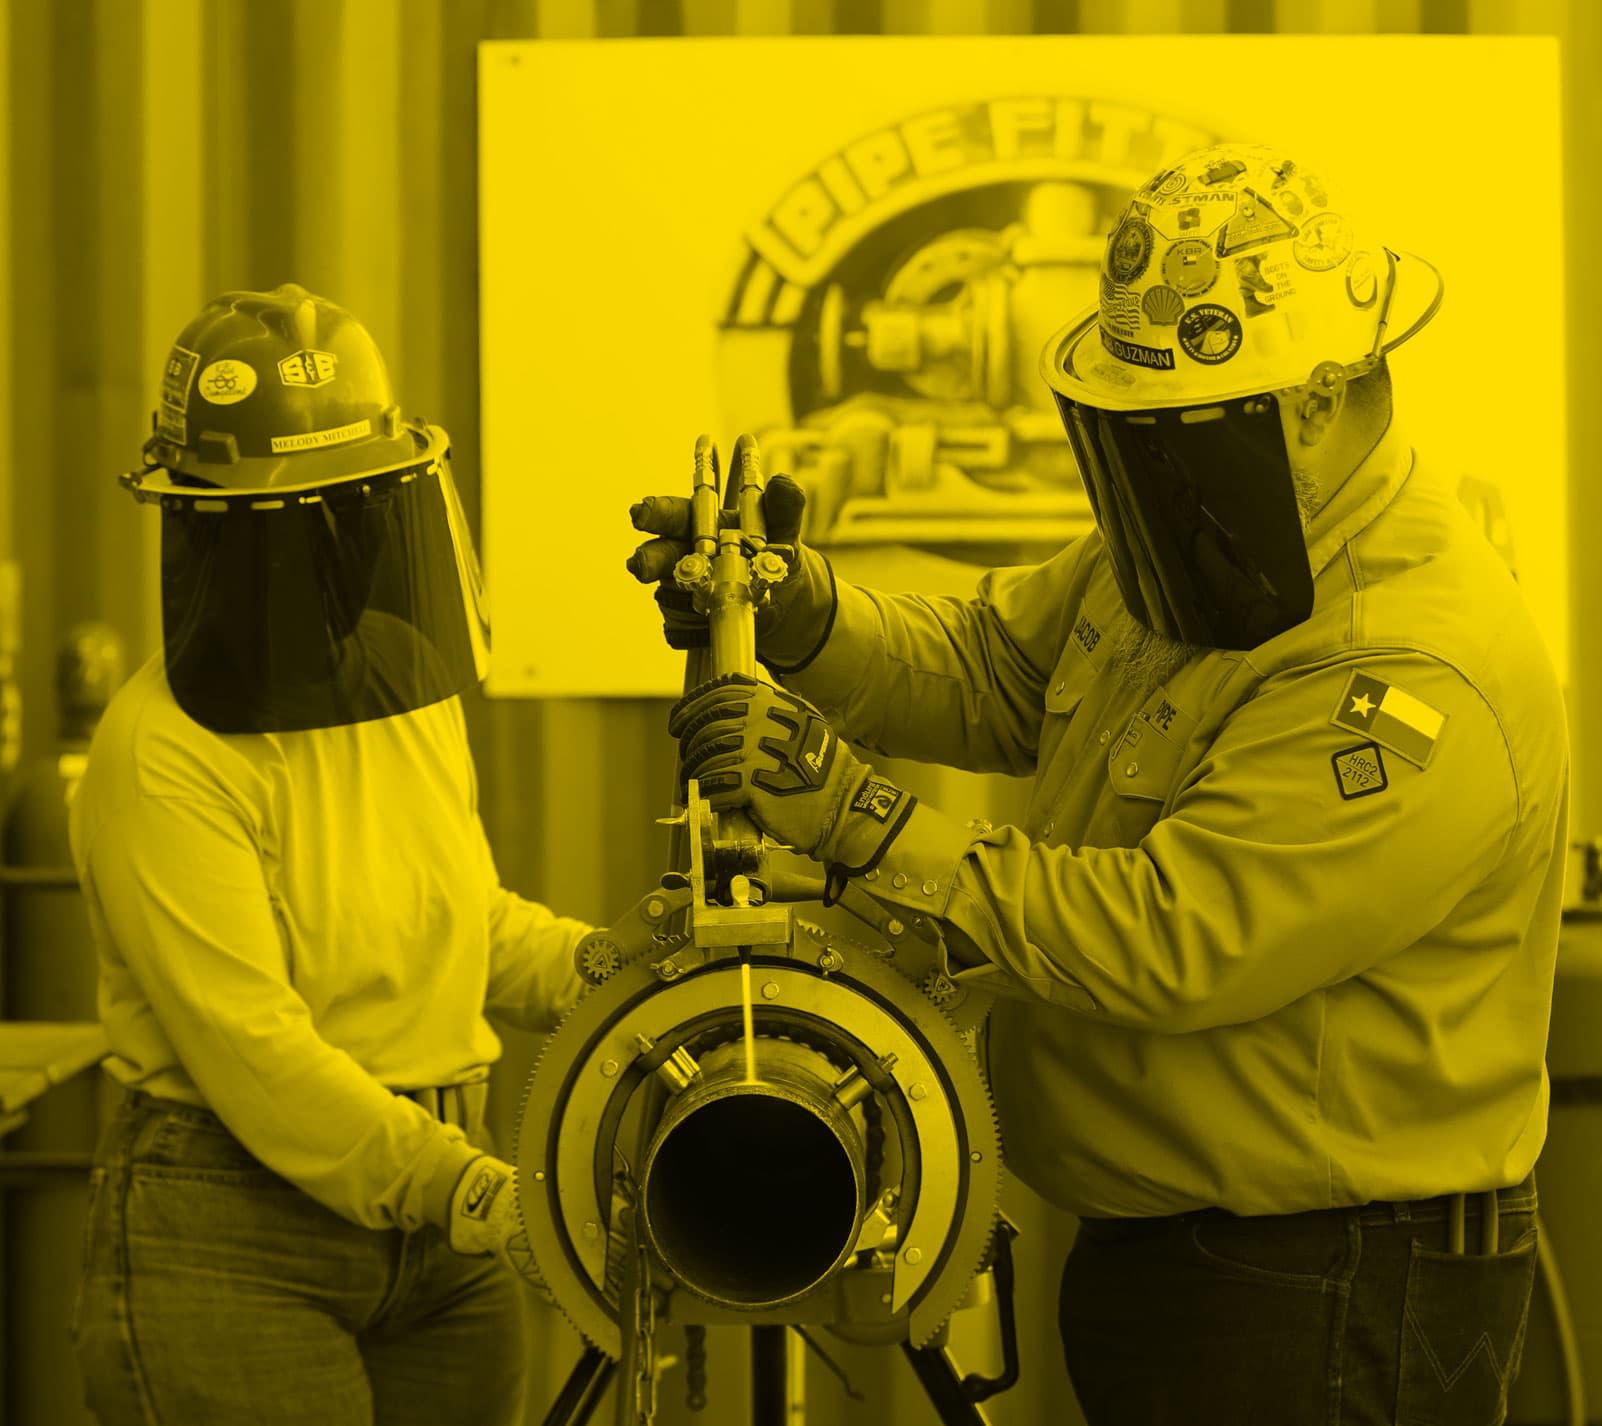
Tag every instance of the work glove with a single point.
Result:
(790, 604)
(484, 1219)
(751, 744)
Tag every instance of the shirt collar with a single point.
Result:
(1360, 497)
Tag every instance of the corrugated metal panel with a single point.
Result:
(154, 152)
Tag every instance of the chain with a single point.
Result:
(644, 1341)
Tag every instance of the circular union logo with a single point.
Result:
(1130, 250)
(1323, 243)
(1209, 334)
(1190, 267)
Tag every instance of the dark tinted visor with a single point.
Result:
(1198, 510)
(316, 608)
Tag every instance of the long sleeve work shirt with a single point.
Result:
(291, 926)
(1288, 922)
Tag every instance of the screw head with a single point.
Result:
(655, 906)
(770, 990)
(592, 1230)
(539, 1175)
(609, 1068)
(917, 1090)
(895, 928)
(667, 970)
(976, 1156)
(914, 1255)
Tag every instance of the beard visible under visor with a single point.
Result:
(1142, 659)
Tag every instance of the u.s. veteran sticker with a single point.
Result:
(1360, 771)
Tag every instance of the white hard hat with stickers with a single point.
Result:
(1232, 286)
(1235, 272)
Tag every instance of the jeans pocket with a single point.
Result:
(1463, 1321)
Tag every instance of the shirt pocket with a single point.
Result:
(1070, 682)
(1144, 765)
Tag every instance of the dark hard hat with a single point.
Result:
(270, 389)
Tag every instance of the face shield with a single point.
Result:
(322, 605)
(1198, 510)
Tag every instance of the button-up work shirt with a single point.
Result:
(1287, 923)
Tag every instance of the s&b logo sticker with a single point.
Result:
(1209, 333)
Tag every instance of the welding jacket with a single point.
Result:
(1286, 925)
(291, 925)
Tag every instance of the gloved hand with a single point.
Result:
(484, 1219)
(789, 603)
(751, 744)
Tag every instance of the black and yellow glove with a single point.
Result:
(751, 744)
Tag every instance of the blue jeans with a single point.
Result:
(1342, 1317)
(215, 1291)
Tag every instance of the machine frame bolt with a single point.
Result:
(667, 970)
(655, 907)
(609, 1068)
(592, 1229)
(914, 1256)
(770, 990)
(917, 1090)
(895, 928)
(830, 960)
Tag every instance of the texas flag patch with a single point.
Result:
(1391, 716)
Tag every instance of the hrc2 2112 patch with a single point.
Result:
(1360, 771)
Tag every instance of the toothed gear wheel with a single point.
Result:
(599, 960)
(942, 990)
(560, 1142)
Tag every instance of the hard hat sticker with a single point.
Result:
(1190, 267)
(1325, 242)
(225, 382)
(1209, 334)
(1157, 358)
(307, 367)
(1362, 281)
(315, 440)
(1264, 281)
(1162, 305)
(1255, 224)
(175, 379)
(1192, 214)
(1120, 308)
(1130, 249)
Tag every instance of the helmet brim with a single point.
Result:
(417, 445)
(1077, 366)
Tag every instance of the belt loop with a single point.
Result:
(1490, 1215)
(461, 1105)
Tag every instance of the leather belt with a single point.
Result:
(459, 1104)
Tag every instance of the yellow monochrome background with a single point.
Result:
(557, 310)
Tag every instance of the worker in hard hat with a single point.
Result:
(296, 1213)
(1281, 917)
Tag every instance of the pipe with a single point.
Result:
(752, 1193)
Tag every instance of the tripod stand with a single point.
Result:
(955, 1398)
